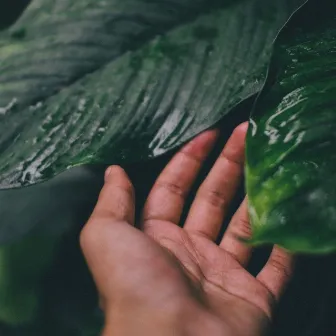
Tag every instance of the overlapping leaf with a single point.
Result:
(291, 176)
(92, 82)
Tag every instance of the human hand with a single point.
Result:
(177, 279)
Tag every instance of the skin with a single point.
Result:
(177, 279)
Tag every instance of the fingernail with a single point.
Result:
(108, 172)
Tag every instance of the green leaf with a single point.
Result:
(290, 170)
(114, 81)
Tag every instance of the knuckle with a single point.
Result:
(231, 157)
(172, 187)
(216, 198)
(280, 266)
(191, 156)
(103, 213)
(244, 228)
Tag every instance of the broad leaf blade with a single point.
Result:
(55, 43)
(137, 106)
(291, 142)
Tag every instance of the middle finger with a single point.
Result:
(166, 200)
(217, 191)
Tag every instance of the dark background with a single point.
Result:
(10, 10)
(69, 300)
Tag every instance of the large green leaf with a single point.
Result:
(291, 176)
(93, 82)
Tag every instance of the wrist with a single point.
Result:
(142, 319)
(184, 319)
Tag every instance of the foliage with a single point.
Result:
(290, 161)
(114, 81)
(93, 81)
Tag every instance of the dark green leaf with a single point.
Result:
(71, 92)
(291, 176)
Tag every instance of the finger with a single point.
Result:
(277, 272)
(116, 200)
(166, 200)
(215, 194)
(238, 228)
(114, 209)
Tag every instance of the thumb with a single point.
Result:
(106, 227)
(116, 200)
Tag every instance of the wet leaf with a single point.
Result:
(291, 174)
(119, 81)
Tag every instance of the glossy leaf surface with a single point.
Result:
(291, 176)
(115, 81)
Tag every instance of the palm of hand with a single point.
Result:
(218, 282)
(172, 263)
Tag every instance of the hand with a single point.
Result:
(172, 280)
